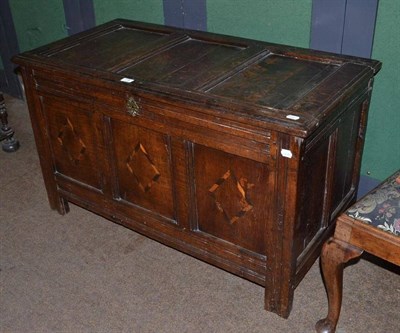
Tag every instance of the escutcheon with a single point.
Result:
(132, 107)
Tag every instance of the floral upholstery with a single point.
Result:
(381, 207)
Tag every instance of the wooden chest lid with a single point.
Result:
(291, 87)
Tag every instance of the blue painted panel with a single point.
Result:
(327, 24)
(344, 26)
(173, 13)
(359, 27)
(189, 14)
(366, 184)
(79, 15)
(195, 14)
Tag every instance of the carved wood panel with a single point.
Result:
(234, 197)
(346, 146)
(75, 139)
(143, 168)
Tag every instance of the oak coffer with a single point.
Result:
(238, 152)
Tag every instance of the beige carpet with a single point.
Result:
(82, 273)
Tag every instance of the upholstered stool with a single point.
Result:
(372, 225)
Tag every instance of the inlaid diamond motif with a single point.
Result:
(71, 142)
(230, 196)
(142, 168)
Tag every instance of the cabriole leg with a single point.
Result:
(335, 254)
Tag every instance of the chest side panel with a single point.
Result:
(329, 176)
(346, 150)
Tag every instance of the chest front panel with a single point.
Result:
(233, 195)
(76, 140)
(143, 168)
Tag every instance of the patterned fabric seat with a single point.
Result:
(381, 207)
(373, 225)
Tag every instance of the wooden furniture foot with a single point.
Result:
(335, 254)
(9, 144)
